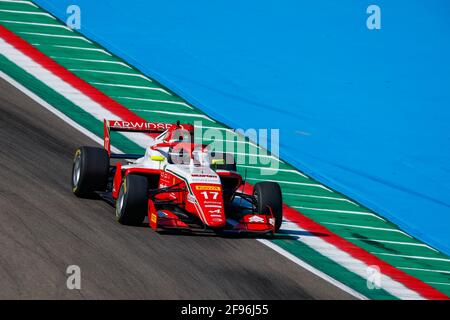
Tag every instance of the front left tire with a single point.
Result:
(89, 171)
(132, 201)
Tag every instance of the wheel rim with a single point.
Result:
(76, 170)
(119, 203)
(257, 199)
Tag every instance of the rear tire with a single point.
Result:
(268, 194)
(131, 203)
(90, 171)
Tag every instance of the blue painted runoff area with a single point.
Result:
(365, 111)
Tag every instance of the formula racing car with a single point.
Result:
(176, 184)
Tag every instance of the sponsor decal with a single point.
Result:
(204, 179)
(141, 125)
(209, 188)
(203, 175)
(256, 219)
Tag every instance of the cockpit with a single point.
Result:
(201, 157)
(190, 154)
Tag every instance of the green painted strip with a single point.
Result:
(9, 16)
(18, 6)
(62, 104)
(332, 269)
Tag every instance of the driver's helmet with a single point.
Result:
(201, 157)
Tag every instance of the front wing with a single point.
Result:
(246, 224)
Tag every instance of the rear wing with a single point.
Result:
(136, 126)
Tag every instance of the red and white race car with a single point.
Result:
(177, 184)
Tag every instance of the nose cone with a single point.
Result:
(211, 208)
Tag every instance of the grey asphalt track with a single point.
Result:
(44, 228)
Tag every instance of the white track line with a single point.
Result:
(425, 270)
(79, 48)
(92, 60)
(54, 36)
(347, 261)
(392, 242)
(179, 114)
(253, 155)
(231, 141)
(320, 197)
(131, 87)
(361, 213)
(127, 74)
(240, 136)
(37, 13)
(311, 269)
(316, 185)
(21, 2)
(366, 227)
(217, 128)
(233, 133)
(275, 169)
(37, 24)
(242, 141)
(440, 283)
(154, 100)
(410, 257)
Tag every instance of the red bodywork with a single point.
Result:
(175, 203)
